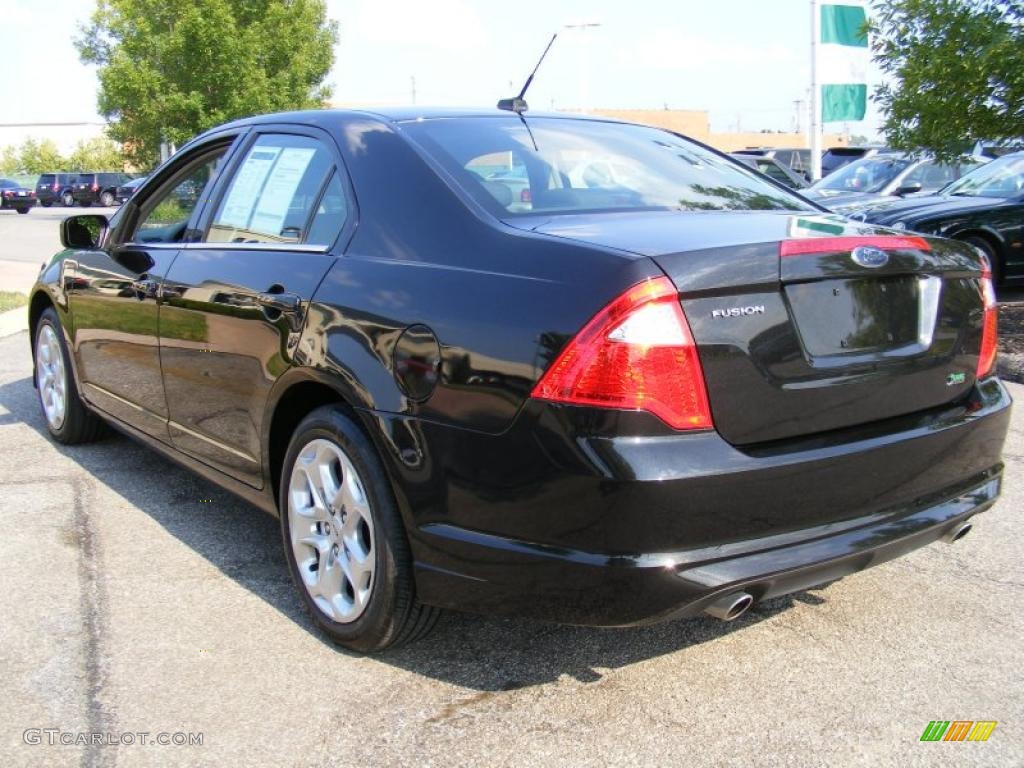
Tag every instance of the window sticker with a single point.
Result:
(279, 190)
(247, 186)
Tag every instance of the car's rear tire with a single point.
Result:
(67, 418)
(68, 200)
(46, 204)
(24, 210)
(107, 199)
(344, 539)
(985, 247)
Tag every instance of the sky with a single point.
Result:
(744, 61)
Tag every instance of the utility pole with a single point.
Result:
(815, 93)
(798, 108)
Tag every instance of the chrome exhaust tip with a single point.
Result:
(957, 533)
(730, 607)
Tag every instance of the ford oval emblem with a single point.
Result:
(869, 256)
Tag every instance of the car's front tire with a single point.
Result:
(67, 418)
(68, 200)
(46, 204)
(994, 261)
(107, 199)
(344, 539)
(24, 210)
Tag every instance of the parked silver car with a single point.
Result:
(887, 174)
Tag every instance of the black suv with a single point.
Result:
(99, 188)
(55, 188)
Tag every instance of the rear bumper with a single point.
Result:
(657, 528)
(588, 588)
(17, 202)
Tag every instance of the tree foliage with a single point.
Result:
(169, 69)
(34, 157)
(956, 71)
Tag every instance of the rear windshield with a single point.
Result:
(869, 174)
(47, 178)
(561, 166)
(1002, 178)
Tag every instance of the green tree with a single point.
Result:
(956, 71)
(96, 155)
(39, 156)
(169, 69)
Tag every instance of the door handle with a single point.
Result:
(276, 305)
(145, 288)
(289, 303)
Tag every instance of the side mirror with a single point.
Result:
(82, 232)
(909, 189)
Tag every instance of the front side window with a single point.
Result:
(165, 216)
(555, 165)
(274, 193)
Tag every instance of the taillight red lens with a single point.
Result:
(636, 354)
(819, 245)
(95, 187)
(525, 196)
(55, 187)
(989, 340)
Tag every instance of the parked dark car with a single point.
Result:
(834, 158)
(620, 405)
(984, 208)
(773, 169)
(14, 195)
(98, 188)
(886, 174)
(127, 189)
(797, 160)
(55, 188)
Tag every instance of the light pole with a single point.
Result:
(584, 61)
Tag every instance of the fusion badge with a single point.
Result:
(757, 309)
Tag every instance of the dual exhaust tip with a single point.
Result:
(731, 607)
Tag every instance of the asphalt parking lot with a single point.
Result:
(138, 598)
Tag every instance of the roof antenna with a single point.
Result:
(518, 104)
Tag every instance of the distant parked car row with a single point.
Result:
(85, 189)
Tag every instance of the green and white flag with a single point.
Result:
(842, 65)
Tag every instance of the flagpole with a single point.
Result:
(815, 93)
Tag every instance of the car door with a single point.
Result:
(267, 242)
(114, 296)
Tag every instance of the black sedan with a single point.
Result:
(126, 190)
(16, 196)
(665, 389)
(984, 208)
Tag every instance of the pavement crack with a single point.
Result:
(92, 606)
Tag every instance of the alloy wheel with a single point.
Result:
(331, 527)
(51, 378)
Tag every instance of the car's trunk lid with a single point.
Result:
(816, 339)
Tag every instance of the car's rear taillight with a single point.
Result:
(637, 354)
(55, 186)
(525, 196)
(987, 358)
(95, 187)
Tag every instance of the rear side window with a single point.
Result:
(553, 165)
(275, 193)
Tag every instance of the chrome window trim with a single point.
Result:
(286, 247)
